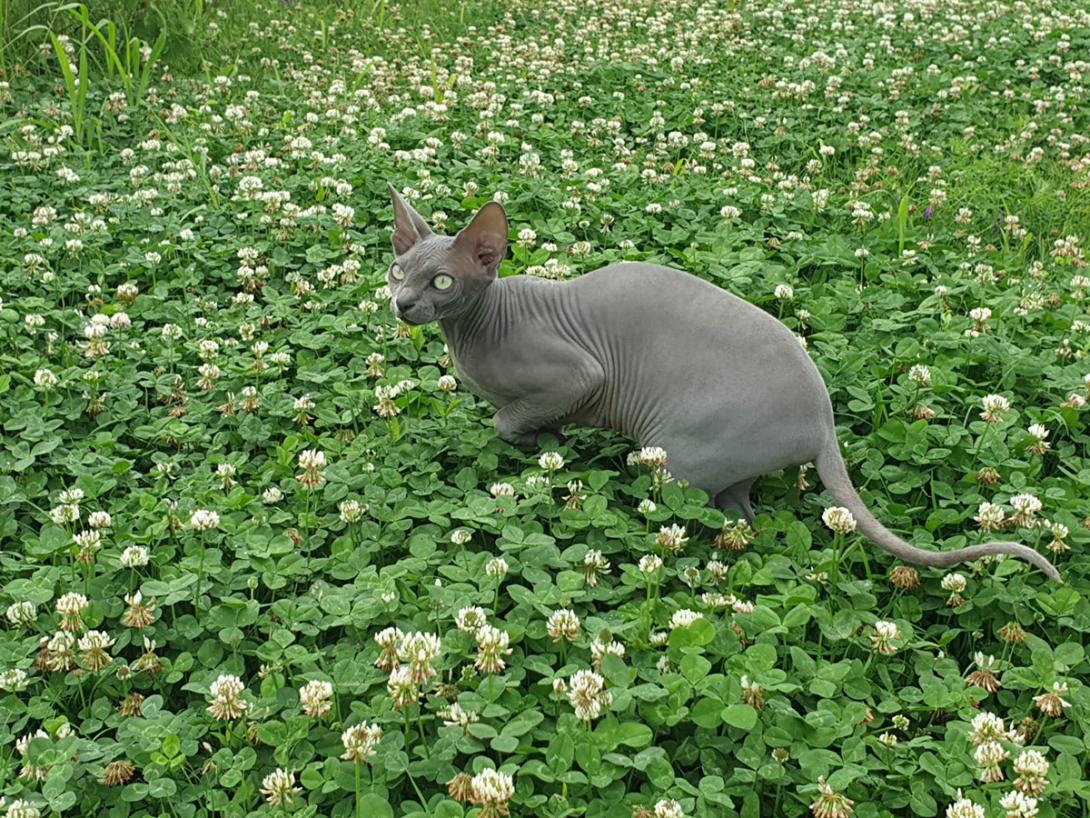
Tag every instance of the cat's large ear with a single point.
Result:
(409, 226)
(485, 238)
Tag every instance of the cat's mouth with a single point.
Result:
(415, 316)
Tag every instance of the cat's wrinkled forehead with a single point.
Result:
(427, 254)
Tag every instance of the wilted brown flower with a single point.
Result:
(118, 772)
(1052, 703)
(138, 614)
(830, 804)
(752, 694)
(1012, 633)
(921, 411)
(984, 676)
(905, 577)
(132, 705)
(461, 787)
(735, 536)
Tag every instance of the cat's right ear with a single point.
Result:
(409, 226)
(485, 238)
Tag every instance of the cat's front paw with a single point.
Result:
(522, 440)
(510, 434)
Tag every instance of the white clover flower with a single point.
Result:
(134, 556)
(492, 646)
(471, 619)
(454, 715)
(563, 625)
(13, 681)
(784, 292)
(418, 651)
(839, 520)
(1019, 805)
(994, 407)
(501, 490)
(989, 756)
(587, 694)
(312, 462)
(990, 517)
(492, 790)
(360, 742)
(227, 702)
(965, 808)
(99, 519)
(885, 633)
(20, 808)
(987, 727)
(1032, 768)
(673, 538)
(21, 613)
(920, 375)
(684, 618)
(668, 808)
(1026, 505)
(653, 457)
(955, 583)
(551, 461)
(278, 787)
(351, 511)
(650, 563)
(316, 698)
(204, 520)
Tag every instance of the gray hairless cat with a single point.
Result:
(655, 353)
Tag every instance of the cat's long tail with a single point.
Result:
(834, 474)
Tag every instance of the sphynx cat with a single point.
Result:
(660, 355)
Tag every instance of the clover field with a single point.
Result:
(261, 553)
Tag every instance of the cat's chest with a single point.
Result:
(481, 380)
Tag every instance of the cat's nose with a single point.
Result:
(405, 304)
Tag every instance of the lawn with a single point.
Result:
(261, 551)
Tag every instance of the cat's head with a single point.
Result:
(435, 277)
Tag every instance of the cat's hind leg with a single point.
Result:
(736, 498)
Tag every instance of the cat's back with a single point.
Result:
(670, 298)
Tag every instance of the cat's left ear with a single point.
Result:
(485, 238)
(409, 226)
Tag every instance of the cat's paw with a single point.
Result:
(516, 437)
(521, 440)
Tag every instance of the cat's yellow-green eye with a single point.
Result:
(397, 273)
(442, 281)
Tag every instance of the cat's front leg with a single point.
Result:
(559, 385)
(520, 426)
(521, 422)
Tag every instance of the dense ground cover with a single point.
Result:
(261, 554)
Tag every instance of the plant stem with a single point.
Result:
(359, 799)
(590, 759)
(200, 575)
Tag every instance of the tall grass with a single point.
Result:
(26, 26)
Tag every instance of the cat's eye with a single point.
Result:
(397, 273)
(442, 281)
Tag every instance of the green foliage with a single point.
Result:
(192, 267)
